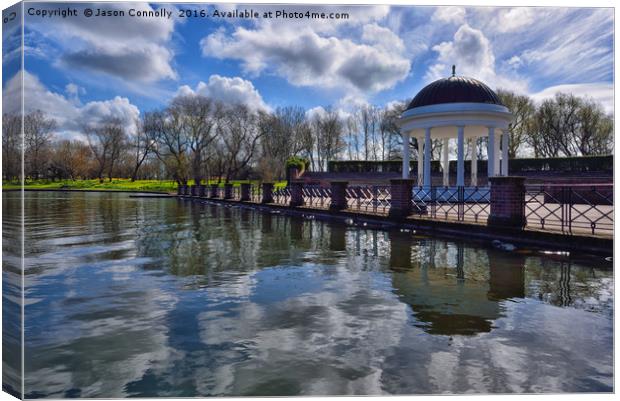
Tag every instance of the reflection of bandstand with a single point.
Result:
(455, 107)
(452, 304)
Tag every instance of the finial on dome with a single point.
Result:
(453, 70)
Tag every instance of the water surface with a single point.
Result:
(160, 297)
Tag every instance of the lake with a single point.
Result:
(165, 297)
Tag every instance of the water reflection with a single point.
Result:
(138, 297)
(442, 299)
(11, 299)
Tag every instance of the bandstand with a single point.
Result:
(458, 108)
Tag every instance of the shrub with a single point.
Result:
(299, 162)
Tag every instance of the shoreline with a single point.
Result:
(532, 239)
(85, 190)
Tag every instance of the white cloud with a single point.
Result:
(472, 53)
(119, 107)
(320, 111)
(436, 71)
(578, 48)
(374, 34)
(129, 48)
(73, 92)
(451, 15)
(72, 89)
(305, 56)
(315, 111)
(37, 97)
(394, 104)
(148, 63)
(515, 62)
(602, 92)
(68, 115)
(514, 19)
(228, 90)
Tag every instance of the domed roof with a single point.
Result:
(454, 89)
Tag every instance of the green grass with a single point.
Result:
(117, 184)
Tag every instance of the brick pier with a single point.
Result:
(507, 202)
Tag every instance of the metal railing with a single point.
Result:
(282, 196)
(256, 193)
(236, 193)
(470, 204)
(571, 209)
(317, 196)
(575, 209)
(374, 198)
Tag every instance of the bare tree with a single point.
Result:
(390, 132)
(369, 123)
(239, 135)
(37, 138)
(282, 134)
(308, 143)
(11, 146)
(596, 130)
(328, 129)
(70, 159)
(106, 141)
(570, 126)
(353, 149)
(171, 145)
(198, 117)
(522, 109)
(142, 145)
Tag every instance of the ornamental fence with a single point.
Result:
(575, 209)
(470, 204)
(570, 209)
(374, 198)
(236, 193)
(317, 196)
(256, 193)
(282, 196)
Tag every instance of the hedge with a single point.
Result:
(554, 164)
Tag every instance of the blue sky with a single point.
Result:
(81, 68)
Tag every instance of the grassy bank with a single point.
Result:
(114, 185)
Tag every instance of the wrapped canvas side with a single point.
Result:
(12, 223)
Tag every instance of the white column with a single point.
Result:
(427, 157)
(406, 155)
(474, 162)
(490, 152)
(420, 162)
(496, 153)
(505, 139)
(446, 161)
(460, 162)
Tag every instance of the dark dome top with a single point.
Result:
(454, 90)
